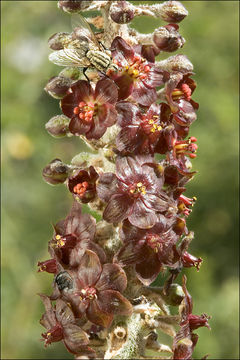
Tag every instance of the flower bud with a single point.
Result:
(176, 63)
(121, 12)
(173, 11)
(175, 295)
(72, 6)
(167, 38)
(56, 172)
(58, 86)
(59, 40)
(58, 126)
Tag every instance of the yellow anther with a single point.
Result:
(159, 128)
(48, 334)
(194, 198)
(135, 73)
(155, 126)
(153, 130)
(126, 67)
(156, 250)
(155, 116)
(61, 242)
(132, 191)
(139, 184)
(58, 237)
(151, 122)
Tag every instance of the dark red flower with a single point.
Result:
(135, 192)
(185, 341)
(148, 249)
(61, 326)
(97, 291)
(83, 184)
(72, 236)
(178, 172)
(188, 260)
(91, 111)
(49, 266)
(136, 76)
(140, 132)
(179, 89)
(185, 204)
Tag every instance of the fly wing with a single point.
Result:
(82, 29)
(68, 57)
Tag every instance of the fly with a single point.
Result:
(84, 50)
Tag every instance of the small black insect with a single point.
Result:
(64, 280)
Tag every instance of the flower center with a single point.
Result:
(184, 91)
(154, 242)
(88, 293)
(85, 111)
(80, 188)
(138, 189)
(186, 147)
(67, 241)
(151, 125)
(138, 68)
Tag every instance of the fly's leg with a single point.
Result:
(84, 73)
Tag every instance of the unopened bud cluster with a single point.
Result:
(129, 107)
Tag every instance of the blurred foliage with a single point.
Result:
(30, 205)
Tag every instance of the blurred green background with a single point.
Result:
(30, 205)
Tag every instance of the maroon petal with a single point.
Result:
(129, 254)
(107, 115)
(79, 127)
(141, 216)
(82, 90)
(128, 232)
(79, 250)
(120, 45)
(68, 104)
(148, 270)
(157, 203)
(128, 168)
(98, 316)
(125, 86)
(97, 130)
(48, 319)
(64, 314)
(156, 78)
(106, 92)
(98, 250)
(89, 269)
(127, 113)
(112, 277)
(83, 226)
(113, 302)
(186, 114)
(117, 208)
(127, 140)
(143, 95)
(75, 338)
(106, 186)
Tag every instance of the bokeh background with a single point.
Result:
(30, 205)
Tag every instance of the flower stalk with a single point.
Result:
(135, 113)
